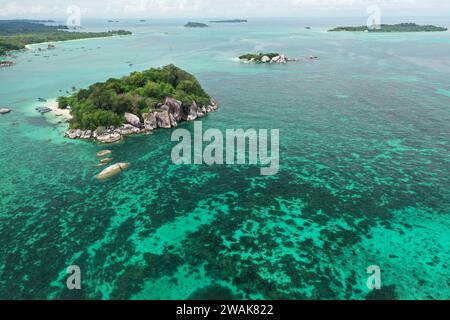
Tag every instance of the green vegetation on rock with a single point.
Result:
(104, 104)
(16, 34)
(402, 27)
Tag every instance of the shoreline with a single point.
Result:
(30, 45)
(53, 105)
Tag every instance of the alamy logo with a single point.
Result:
(374, 20)
(374, 281)
(74, 18)
(74, 280)
(241, 147)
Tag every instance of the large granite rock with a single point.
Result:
(127, 129)
(79, 134)
(109, 138)
(150, 121)
(193, 113)
(133, 119)
(104, 153)
(71, 134)
(163, 119)
(173, 122)
(86, 134)
(201, 112)
(265, 59)
(175, 108)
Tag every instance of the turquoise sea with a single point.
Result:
(364, 170)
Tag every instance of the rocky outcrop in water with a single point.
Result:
(265, 58)
(104, 153)
(167, 116)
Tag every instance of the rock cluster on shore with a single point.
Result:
(166, 116)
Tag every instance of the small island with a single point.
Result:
(196, 25)
(135, 104)
(230, 21)
(402, 27)
(16, 34)
(265, 58)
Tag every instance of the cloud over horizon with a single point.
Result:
(216, 8)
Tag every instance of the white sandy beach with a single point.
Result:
(31, 46)
(64, 113)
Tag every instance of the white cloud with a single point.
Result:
(215, 8)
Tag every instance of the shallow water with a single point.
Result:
(364, 139)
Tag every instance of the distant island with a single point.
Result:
(229, 21)
(196, 25)
(138, 103)
(264, 58)
(16, 34)
(402, 27)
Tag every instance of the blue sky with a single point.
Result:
(218, 8)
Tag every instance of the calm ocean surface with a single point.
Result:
(364, 177)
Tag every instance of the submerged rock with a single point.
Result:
(113, 170)
(104, 153)
(105, 161)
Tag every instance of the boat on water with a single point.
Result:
(43, 110)
(4, 110)
(4, 64)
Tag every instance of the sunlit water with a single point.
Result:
(364, 177)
